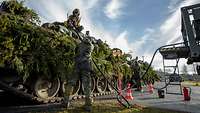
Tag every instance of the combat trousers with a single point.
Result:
(85, 76)
(137, 79)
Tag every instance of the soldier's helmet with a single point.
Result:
(76, 12)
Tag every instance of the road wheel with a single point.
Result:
(113, 83)
(101, 84)
(46, 88)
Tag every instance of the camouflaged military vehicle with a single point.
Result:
(35, 60)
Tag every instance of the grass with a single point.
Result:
(111, 107)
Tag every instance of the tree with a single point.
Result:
(151, 76)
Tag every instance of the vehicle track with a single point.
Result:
(58, 106)
(38, 104)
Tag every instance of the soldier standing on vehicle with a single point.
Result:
(136, 76)
(73, 21)
(83, 69)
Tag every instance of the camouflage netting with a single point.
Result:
(29, 48)
(49, 51)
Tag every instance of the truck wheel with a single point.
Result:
(46, 88)
(101, 84)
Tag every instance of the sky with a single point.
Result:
(138, 27)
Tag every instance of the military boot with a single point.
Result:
(88, 108)
(67, 95)
(88, 104)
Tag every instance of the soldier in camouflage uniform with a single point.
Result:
(136, 69)
(73, 21)
(83, 69)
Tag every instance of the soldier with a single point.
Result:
(73, 21)
(83, 69)
(136, 68)
(87, 34)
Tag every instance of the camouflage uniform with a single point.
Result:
(73, 21)
(83, 68)
(136, 68)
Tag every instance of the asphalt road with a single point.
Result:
(171, 101)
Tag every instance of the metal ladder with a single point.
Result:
(172, 79)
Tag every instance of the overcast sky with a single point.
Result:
(137, 26)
